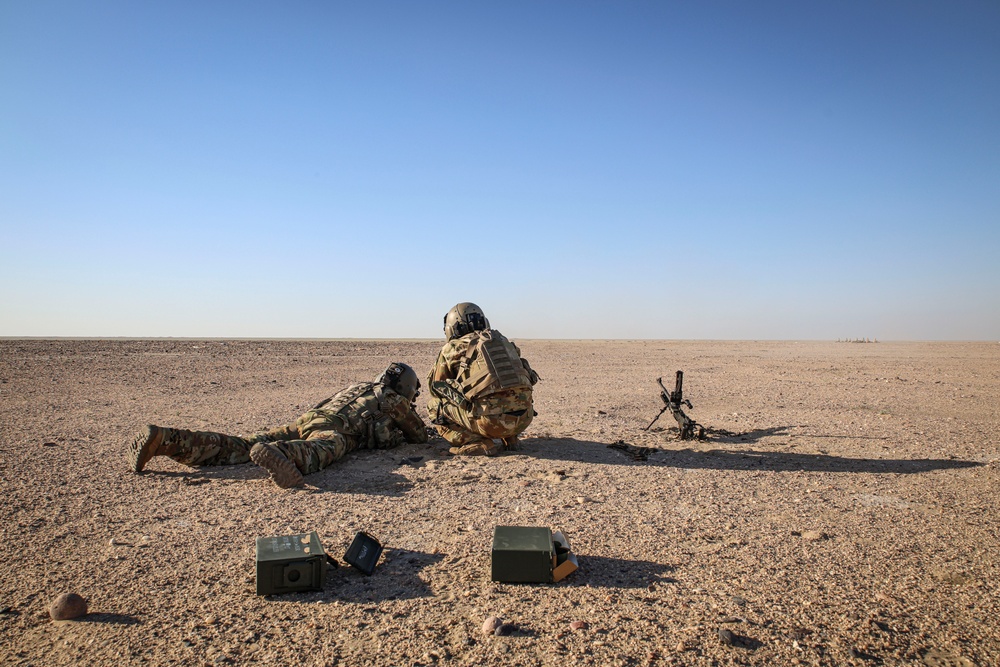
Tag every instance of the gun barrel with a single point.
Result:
(674, 401)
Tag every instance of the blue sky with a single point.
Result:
(719, 170)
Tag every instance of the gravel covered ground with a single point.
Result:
(843, 510)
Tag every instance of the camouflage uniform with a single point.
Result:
(490, 410)
(363, 416)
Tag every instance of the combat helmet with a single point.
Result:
(402, 379)
(463, 319)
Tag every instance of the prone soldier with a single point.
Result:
(373, 415)
(480, 387)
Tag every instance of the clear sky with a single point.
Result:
(720, 170)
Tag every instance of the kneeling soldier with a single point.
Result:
(375, 415)
(480, 387)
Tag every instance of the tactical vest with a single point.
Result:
(358, 407)
(490, 364)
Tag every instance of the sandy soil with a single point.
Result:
(844, 510)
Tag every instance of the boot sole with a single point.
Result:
(476, 449)
(143, 447)
(282, 471)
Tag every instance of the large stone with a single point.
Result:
(491, 624)
(68, 606)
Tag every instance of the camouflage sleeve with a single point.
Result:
(446, 366)
(440, 370)
(405, 417)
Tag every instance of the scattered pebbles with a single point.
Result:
(491, 624)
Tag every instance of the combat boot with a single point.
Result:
(511, 443)
(149, 442)
(479, 448)
(284, 473)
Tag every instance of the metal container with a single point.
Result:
(290, 564)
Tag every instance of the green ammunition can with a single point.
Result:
(290, 564)
(522, 554)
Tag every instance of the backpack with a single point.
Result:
(491, 364)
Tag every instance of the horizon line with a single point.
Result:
(431, 340)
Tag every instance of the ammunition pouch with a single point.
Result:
(370, 413)
(451, 392)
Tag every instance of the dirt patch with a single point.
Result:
(842, 511)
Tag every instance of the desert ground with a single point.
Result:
(842, 510)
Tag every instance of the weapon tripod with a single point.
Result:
(674, 401)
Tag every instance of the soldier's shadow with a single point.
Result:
(366, 471)
(729, 458)
(377, 479)
(372, 471)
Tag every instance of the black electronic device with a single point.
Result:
(364, 552)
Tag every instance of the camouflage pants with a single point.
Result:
(205, 448)
(501, 415)
(306, 443)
